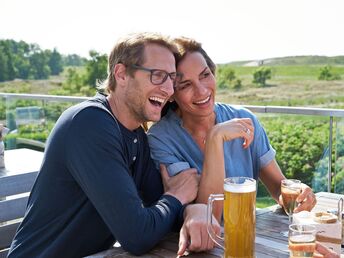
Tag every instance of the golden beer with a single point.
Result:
(240, 218)
(239, 214)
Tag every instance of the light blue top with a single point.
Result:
(172, 145)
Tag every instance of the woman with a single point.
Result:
(212, 137)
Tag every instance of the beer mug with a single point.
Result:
(239, 215)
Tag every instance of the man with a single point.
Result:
(97, 183)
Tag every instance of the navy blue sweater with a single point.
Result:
(97, 184)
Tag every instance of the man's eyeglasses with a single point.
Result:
(157, 76)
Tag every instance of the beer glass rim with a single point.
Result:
(234, 179)
(291, 180)
(240, 184)
(304, 228)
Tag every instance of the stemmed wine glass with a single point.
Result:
(290, 190)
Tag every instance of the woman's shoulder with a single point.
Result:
(165, 124)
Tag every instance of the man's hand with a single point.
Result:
(193, 234)
(183, 186)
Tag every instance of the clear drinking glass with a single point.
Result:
(290, 190)
(301, 240)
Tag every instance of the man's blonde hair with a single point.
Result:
(129, 51)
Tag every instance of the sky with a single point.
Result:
(229, 30)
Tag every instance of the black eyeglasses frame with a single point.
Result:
(174, 76)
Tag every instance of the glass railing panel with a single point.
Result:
(338, 175)
(301, 144)
(2, 110)
(30, 121)
(300, 136)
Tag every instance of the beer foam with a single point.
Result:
(246, 187)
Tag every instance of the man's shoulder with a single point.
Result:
(89, 107)
(90, 117)
(98, 101)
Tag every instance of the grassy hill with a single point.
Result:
(295, 60)
(294, 82)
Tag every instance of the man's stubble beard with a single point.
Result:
(136, 100)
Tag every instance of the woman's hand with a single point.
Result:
(236, 128)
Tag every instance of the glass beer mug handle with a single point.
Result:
(217, 239)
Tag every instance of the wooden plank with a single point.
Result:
(7, 233)
(12, 209)
(17, 184)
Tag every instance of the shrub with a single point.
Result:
(261, 75)
(326, 74)
(225, 77)
(299, 144)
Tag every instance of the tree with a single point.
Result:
(73, 60)
(261, 75)
(21, 52)
(55, 62)
(39, 68)
(96, 68)
(3, 66)
(24, 61)
(6, 59)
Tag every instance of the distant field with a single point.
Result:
(297, 72)
(289, 86)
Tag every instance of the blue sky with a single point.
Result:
(230, 30)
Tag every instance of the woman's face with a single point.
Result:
(195, 93)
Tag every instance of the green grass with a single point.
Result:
(297, 71)
(298, 60)
(263, 202)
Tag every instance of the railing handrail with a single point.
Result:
(297, 110)
(259, 109)
(43, 97)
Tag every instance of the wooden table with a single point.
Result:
(269, 241)
(21, 161)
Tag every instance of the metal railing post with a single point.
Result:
(330, 142)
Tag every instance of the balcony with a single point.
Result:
(309, 141)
